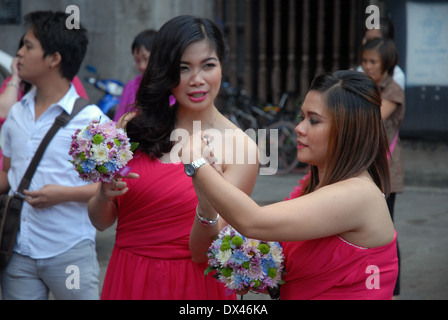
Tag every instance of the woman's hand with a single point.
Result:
(15, 69)
(117, 187)
(102, 207)
(48, 196)
(195, 147)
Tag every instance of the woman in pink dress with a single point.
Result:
(156, 207)
(337, 234)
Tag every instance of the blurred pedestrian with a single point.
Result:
(379, 58)
(55, 231)
(141, 50)
(386, 30)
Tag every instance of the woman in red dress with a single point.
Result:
(337, 234)
(156, 205)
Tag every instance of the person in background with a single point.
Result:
(379, 58)
(338, 231)
(157, 210)
(141, 50)
(55, 231)
(386, 30)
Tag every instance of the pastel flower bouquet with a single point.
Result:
(100, 151)
(245, 264)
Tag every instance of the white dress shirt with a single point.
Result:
(47, 232)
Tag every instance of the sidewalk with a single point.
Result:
(425, 163)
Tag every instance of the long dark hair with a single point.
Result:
(358, 140)
(155, 119)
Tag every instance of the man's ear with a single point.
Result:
(54, 60)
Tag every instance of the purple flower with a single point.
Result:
(252, 264)
(100, 150)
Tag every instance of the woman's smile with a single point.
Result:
(198, 96)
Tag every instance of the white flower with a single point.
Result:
(225, 232)
(251, 245)
(224, 256)
(277, 252)
(123, 157)
(100, 153)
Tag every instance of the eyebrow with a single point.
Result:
(312, 113)
(204, 61)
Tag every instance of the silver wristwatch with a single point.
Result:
(190, 169)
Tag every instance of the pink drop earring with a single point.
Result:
(172, 100)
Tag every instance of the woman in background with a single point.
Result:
(379, 58)
(141, 50)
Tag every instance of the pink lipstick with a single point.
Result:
(197, 96)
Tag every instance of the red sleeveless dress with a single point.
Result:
(332, 268)
(151, 257)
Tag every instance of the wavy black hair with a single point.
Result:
(155, 119)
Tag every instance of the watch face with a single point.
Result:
(189, 170)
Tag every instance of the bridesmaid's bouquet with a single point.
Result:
(245, 264)
(100, 151)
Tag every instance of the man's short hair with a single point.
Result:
(50, 29)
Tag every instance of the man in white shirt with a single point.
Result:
(55, 247)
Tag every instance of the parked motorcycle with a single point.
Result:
(112, 91)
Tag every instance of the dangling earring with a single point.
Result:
(172, 100)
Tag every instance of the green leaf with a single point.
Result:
(134, 145)
(208, 270)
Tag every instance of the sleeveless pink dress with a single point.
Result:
(151, 258)
(332, 268)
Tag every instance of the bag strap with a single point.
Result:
(393, 145)
(61, 121)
